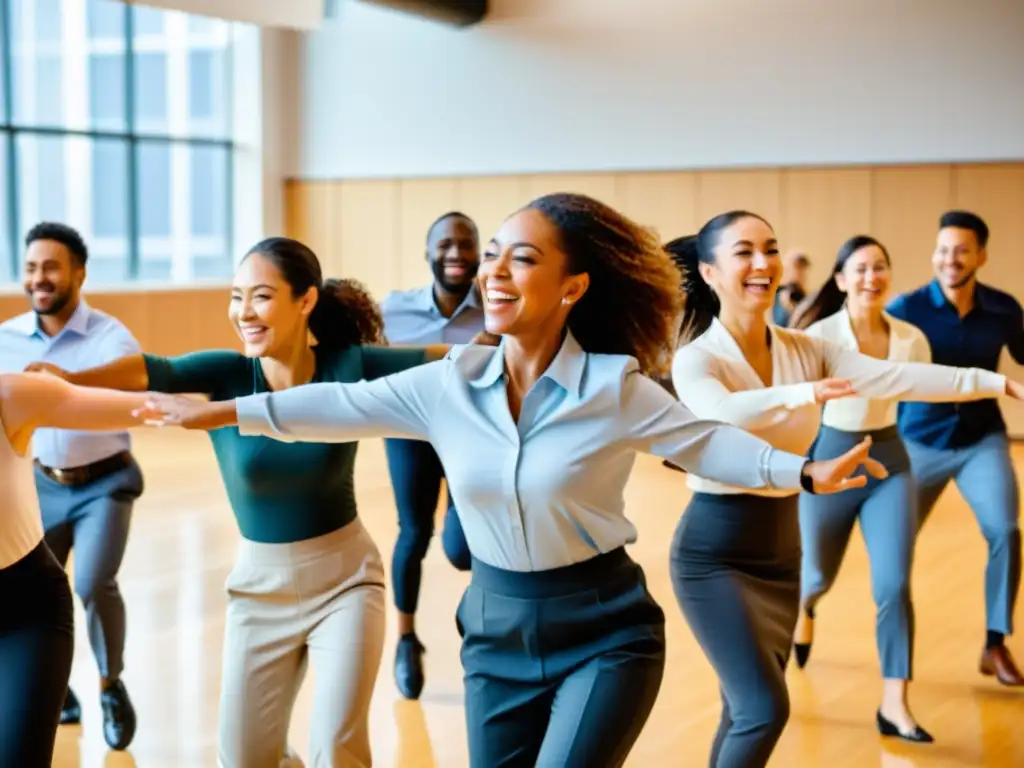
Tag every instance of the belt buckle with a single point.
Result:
(59, 474)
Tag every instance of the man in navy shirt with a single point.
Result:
(968, 324)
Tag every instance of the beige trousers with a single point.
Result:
(319, 601)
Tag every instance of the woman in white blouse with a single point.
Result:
(563, 646)
(848, 310)
(36, 610)
(736, 554)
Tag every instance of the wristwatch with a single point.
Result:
(806, 481)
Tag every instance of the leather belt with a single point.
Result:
(88, 473)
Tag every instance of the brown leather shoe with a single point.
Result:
(999, 662)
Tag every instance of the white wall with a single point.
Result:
(583, 85)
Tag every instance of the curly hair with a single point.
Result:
(632, 304)
(345, 313)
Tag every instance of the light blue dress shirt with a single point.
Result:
(412, 318)
(90, 338)
(544, 492)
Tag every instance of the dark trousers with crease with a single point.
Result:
(416, 474)
(562, 667)
(736, 574)
(37, 641)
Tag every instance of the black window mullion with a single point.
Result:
(133, 145)
(13, 236)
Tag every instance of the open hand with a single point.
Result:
(834, 475)
(163, 410)
(832, 389)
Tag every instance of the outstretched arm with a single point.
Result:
(400, 405)
(912, 382)
(658, 424)
(702, 392)
(33, 400)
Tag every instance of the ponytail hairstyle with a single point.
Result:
(829, 299)
(701, 304)
(345, 313)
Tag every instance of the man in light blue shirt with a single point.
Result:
(87, 481)
(448, 311)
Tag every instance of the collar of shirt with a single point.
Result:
(77, 324)
(839, 328)
(566, 369)
(939, 301)
(428, 302)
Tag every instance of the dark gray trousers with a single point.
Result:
(736, 573)
(94, 519)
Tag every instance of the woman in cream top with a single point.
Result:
(736, 554)
(36, 610)
(848, 311)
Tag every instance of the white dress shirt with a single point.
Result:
(21, 524)
(714, 380)
(543, 492)
(907, 344)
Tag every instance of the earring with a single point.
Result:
(566, 302)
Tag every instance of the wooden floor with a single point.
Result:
(182, 545)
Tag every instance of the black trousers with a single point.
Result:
(562, 667)
(416, 474)
(37, 640)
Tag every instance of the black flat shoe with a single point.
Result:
(802, 652)
(888, 728)
(71, 714)
(409, 675)
(118, 716)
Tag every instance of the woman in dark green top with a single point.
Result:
(308, 582)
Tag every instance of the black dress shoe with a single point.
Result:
(409, 666)
(888, 728)
(71, 714)
(118, 716)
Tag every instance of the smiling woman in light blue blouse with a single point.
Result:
(563, 646)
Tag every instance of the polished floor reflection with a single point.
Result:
(182, 545)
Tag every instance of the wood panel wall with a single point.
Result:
(166, 322)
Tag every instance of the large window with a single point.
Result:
(116, 120)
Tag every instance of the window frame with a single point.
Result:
(10, 130)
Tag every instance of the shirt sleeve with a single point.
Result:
(399, 405)
(661, 425)
(115, 344)
(695, 379)
(203, 373)
(383, 361)
(909, 382)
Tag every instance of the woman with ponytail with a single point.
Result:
(848, 310)
(736, 554)
(308, 582)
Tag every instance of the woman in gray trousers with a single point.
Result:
(849, 310)
(736, 554)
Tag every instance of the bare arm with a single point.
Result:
(32, 400)
(126, 373)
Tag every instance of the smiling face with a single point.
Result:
(524, 277)
(454, 252)
(746, 271)
(53, 277)
(957, 257)
(865, 278)
(264, 311)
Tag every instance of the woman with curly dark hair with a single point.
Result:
(563, 646)
(308, 582)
